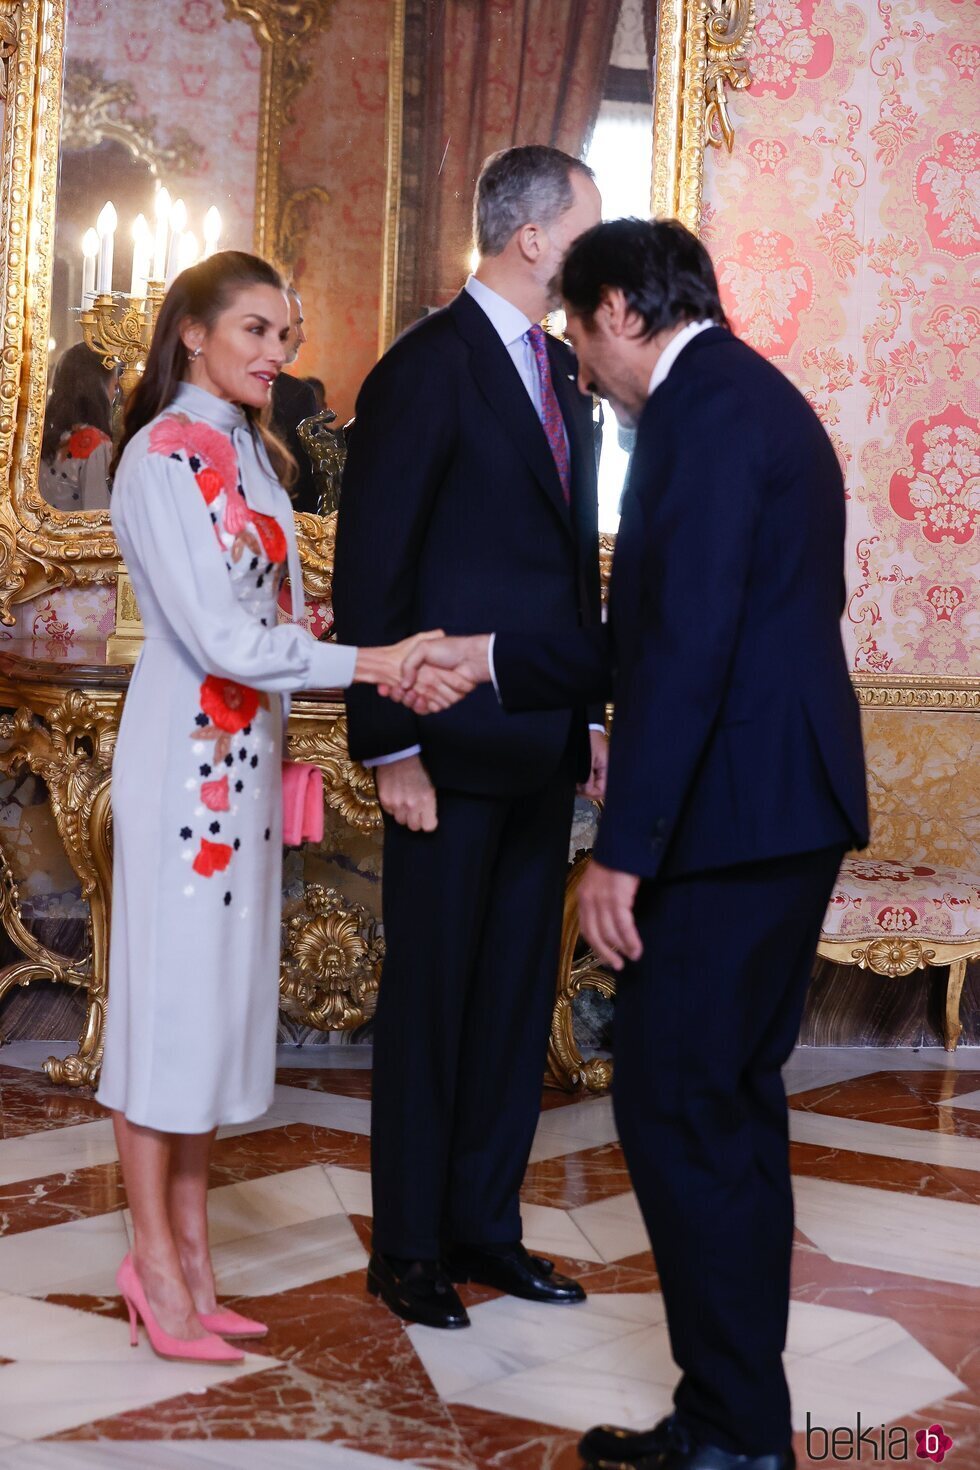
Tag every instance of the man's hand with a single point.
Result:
(440, 671)
(407, 794)
(605, 908)
(595, 787)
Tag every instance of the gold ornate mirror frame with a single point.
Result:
(699, 53)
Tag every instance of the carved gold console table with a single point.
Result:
(63, 724)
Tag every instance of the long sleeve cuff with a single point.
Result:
(493, 671)
(389, 760)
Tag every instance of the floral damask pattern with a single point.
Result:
(948, 184)
(845, 228)
(941, 488)
(769, 287)
(791, 48)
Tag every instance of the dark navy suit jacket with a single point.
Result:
(452, 516)
(736, 734)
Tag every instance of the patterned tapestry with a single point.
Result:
(846, 233)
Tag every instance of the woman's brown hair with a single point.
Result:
(78, 397)
(200, 294)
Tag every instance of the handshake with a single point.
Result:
(428, 672)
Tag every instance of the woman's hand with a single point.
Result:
(384, 665)
(438, 672)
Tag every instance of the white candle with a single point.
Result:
(189, 250)
(90, 249)
(178, 222)
(161, 210)
(106, 226)
(142, 250)
(212, 229)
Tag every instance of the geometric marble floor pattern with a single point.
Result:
(884, 1322)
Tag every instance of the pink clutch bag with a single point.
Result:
(302, 803)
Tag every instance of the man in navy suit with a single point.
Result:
(735, 785)
(469, 501)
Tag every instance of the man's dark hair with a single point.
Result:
(663, 270)
(520, 185)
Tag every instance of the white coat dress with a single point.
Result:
(207, 534)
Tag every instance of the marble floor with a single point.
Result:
(885, 1319)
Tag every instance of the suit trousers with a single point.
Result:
(703, 1024)
(472, 916)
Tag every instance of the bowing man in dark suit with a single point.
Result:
(735, 784)
(469, 501)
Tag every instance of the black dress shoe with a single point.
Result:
(605, 1445)
(418, 1291)
(512, 1269)
(668, 1446)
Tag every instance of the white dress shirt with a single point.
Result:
(673, 351)
(512, 327)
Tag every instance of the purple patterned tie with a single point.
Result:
(554, 424)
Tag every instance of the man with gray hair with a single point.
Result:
(469, 501)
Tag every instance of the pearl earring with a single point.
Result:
(193, 356)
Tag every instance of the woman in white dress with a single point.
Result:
(207, 533)
(77, 443)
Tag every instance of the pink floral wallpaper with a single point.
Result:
(845, 228)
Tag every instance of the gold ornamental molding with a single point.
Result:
(331, 962)
(700, 55)
(71, 749)
(282, 28)
(94, 109)
(917, 692)
(729, 25)
(394, 132)
(9, 40)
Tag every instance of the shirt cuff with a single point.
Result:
(493, 671)
(389, 760)
(601, 728)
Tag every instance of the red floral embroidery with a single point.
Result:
(175, 433)
(210, 483)
(85, 441)
(212, 858)
(236, 516)
(271, 535)
(214, 795)
(230, 706)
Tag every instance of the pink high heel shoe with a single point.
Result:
(227, 1323)
(208, 1349)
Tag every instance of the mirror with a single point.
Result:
(340, 138)
(157, 164)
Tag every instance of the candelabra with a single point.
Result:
(120, 329)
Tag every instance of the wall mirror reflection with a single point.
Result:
(157, 166)
(159, 163)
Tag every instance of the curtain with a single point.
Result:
(497, 74)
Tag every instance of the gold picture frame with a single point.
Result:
(700, 52)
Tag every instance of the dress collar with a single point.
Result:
(217, 412)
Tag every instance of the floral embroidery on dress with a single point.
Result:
(224, 743)
(212, 857)
(83, 442)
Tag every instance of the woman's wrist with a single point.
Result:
(375, 666)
